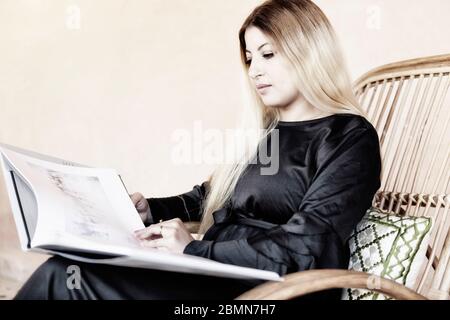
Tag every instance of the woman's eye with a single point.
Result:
(265, 56)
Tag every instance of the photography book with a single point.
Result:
(86, 214)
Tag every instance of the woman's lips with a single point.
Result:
(263, 88)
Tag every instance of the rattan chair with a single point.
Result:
(408, 104)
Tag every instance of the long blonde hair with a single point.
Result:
(305, 37)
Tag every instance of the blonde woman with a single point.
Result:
(295, 219)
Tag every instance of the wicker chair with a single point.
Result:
(407, 103)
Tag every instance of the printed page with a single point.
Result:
(79, 207)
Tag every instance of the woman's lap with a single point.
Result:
(55, 280)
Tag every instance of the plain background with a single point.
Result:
(107, 82)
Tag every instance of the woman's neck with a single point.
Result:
(301, 110)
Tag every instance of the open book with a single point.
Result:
(86, 214)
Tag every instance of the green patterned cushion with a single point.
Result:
(390, 246)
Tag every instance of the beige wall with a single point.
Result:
(376, 32)
(111, 92)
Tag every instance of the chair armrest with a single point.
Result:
(305, 282)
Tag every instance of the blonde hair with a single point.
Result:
(305, 37)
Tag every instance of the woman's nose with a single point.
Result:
(254, 70)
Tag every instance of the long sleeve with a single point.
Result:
(186, 206)
(346, 179)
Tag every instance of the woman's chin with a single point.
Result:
(271, 104)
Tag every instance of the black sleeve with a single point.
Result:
(186, 206)
(347, 177)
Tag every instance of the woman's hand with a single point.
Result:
(141, 205)
(170, 235)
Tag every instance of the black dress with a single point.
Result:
(295, 219)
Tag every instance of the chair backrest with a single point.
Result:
(409, 105)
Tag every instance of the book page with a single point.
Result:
(79, 207)
(41, 156)
(22, 202)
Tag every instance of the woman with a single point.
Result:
(296, 219)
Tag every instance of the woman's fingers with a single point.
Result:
(160, 229)
(174, 223)
(157, 243)
(171, 236)
(135, 197)
(139, 201)
(154, 229)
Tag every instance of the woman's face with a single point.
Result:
(268, 67)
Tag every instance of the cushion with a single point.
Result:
(390, 246)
